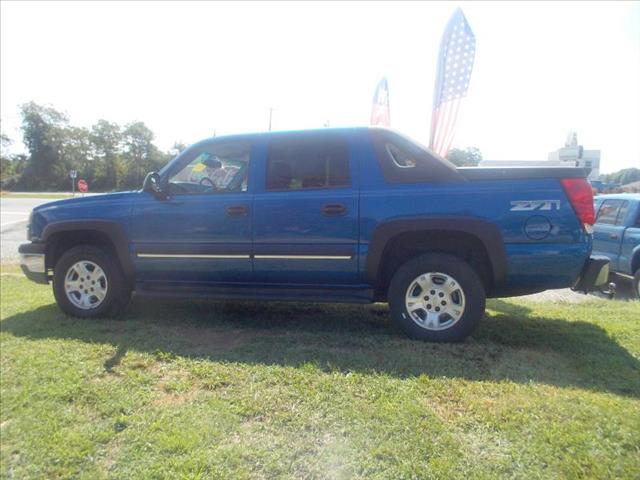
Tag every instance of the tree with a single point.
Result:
(7, 167)
(43, 130)
(107, 155)
(624, 176)
(106, 143)
(465, 158)
(76, 155)
(139, 152)
(5, 142)
(11, 170)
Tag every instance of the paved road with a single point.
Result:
(624, 291)
(14, 214)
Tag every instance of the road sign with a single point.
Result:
(83, 186)
(73, 174)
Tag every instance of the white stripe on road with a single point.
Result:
(12, 223)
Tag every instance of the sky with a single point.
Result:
(191, 69)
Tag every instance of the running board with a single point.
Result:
(252, 292)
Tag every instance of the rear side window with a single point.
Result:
(608, 212)
(401, 158)
(308, 162)
(622, 213)
(404, 161)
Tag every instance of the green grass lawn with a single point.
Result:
(254, 390)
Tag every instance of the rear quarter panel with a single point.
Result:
(534, 261)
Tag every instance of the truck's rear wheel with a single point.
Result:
(436, 297)
(88, 282)
(636, 284)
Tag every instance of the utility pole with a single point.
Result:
(270, 116)
(72, 175)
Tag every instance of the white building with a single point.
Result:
(571, 155)
(576, 156)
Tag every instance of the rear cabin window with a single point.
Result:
(404, 161)
(401, 158)
(608, 212)
(307, 162)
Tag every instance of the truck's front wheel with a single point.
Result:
(88, 282)
(436, 297)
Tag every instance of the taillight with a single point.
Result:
(580, 195)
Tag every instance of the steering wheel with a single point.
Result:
(204, 180)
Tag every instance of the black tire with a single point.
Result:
(117, 295)
(468, 281)
(636, 285)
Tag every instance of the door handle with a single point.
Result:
(236, 210)
(613, 236)
(334, 209)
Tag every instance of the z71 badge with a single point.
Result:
(530, 205)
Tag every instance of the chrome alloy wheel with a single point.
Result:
(85, 285)
(435, 301)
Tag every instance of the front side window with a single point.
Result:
(216, 168)
(608, 212)
(307, 163)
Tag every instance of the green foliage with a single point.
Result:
(106, 138)
(624, 176)
(465, 158)
(7, 164)
(44, 133)
(141, 155)
(11, 169)
(108, 156)
(255, 390)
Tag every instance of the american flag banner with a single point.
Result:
(380, 111)
(455, 62)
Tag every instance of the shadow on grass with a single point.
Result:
(511, 345)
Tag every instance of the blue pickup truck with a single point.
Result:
(616, 234)
(336, 215)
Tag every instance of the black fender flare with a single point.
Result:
(111, 229)
(635, 259)
(488, 233)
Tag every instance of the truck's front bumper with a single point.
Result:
(594, 275)
(32, 262)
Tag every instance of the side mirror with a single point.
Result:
(153, 184)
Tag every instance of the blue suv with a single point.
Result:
(616, 234)
(335, 215)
